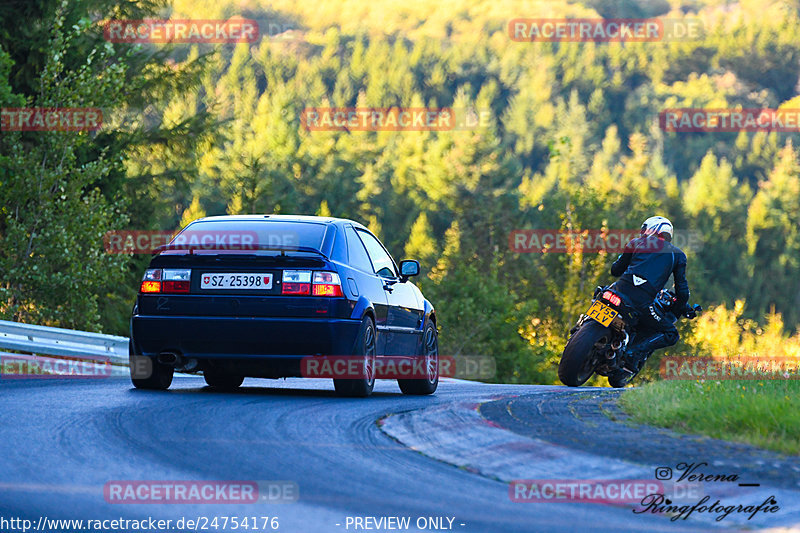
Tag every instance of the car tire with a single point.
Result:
(430, 354)
(221, 380)
(365, 347)
(147, 373)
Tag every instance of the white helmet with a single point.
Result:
(657, 226)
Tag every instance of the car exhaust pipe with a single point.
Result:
(169, 358)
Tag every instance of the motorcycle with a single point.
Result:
(598, 341)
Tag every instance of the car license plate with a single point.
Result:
(601, 313)
(235, 280)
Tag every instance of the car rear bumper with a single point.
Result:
(243, 337)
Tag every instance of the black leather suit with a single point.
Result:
(643, 269)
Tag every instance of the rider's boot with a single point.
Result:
(636, 357)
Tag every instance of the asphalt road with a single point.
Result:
(62, 441)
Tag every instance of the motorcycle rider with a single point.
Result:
(643, 268)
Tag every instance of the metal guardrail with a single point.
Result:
(62, 342)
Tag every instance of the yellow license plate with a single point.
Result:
(602, 313)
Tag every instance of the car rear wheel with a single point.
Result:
(147, 373)
(361, 386)
(222, 380)
(430, 356)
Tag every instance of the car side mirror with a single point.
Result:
(408, 268)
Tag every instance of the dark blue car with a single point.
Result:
(280, 296)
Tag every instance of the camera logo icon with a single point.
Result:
(663, 473)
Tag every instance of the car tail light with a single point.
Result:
(612, 298)
(166, 280)
(296, 282)
(308, 283)
(176, 281)
(151, 281)
(327, 284)
(150, 286)
(176, 286)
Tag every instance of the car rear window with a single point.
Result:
(242, 234)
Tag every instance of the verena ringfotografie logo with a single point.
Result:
(393, 118)
(50, 119)
(397, 367)
(600, 30)
(182, 492)
(686, 120)
(706, 368)
(697, 473)
(21, 366)
(593, 241)
(213, 31)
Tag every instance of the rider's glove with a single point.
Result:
(677, 310)
(691, 311)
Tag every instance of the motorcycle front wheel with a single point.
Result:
(576, 365)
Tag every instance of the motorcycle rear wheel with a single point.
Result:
(576, 365)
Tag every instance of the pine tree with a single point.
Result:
(773, 237)
(421, 245)
(193, 212)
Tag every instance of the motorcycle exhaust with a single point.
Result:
(616, 345)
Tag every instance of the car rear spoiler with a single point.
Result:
(246, 247)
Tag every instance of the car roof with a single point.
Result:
(282, 218)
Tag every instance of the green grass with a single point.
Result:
(763, 413)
